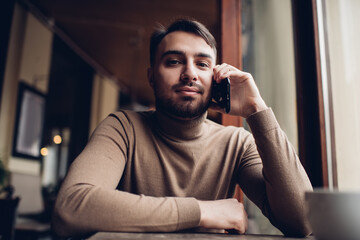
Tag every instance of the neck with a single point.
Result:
(184, 119)
(176, 127)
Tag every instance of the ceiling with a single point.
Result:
(113, 35)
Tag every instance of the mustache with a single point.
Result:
(190, 84)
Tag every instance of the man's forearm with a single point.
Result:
(84, 208)
(285, 178)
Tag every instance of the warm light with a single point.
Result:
(57, 139)
(44, 151)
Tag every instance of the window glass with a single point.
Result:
(268, 54)
(343, 36)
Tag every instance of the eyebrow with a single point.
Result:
(177, 52)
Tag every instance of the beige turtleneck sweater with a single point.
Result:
(144, 171)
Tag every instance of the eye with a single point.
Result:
(172, 62)
(203, 64)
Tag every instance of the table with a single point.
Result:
(192, 236)
(27, 228)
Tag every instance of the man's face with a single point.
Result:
(182, 75)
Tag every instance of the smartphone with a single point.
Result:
(221, 93)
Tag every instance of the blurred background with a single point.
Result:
(65, 65)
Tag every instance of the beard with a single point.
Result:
(188, 107)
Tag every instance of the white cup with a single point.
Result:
(334, 214)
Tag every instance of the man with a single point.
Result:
(172, 169)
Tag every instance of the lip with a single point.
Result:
(188, 90)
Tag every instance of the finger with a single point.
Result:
(246, 221)
(241, 227)
(219, 70)
(243, 76)
(226, 71)
(223, 71)
(220, 66)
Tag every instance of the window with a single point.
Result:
(342, 52)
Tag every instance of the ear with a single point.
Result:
(150, 76)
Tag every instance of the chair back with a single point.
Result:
(8, 214)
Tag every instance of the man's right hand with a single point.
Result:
(228, 214)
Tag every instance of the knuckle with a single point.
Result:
(248, 75)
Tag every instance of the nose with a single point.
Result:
(189, 73)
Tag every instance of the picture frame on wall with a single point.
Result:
(29, 123)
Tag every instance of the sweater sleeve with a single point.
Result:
(89, 202)
(278, 181)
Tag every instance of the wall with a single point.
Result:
(28, 59)
(104, 100)
(8, 98)
(343, 21)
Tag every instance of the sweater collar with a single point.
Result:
(180, 129)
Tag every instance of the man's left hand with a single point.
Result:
(244, 95)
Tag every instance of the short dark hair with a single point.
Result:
(185, 25)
